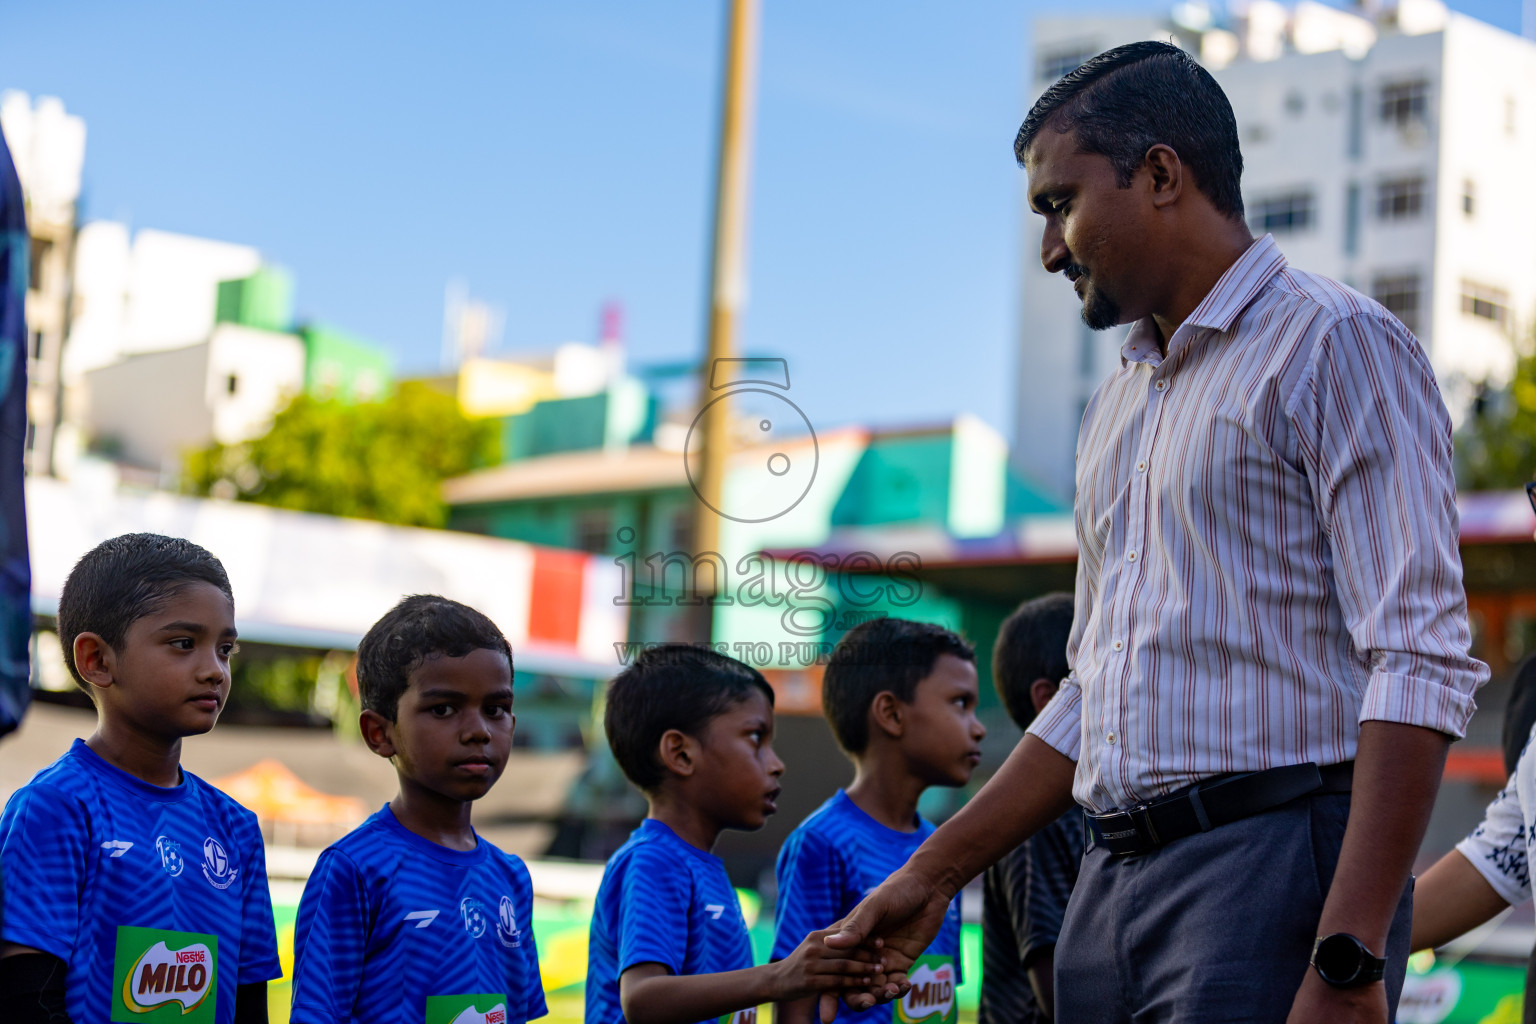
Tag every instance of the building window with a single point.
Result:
(1281, 214)
(1400, 294)
(1405, 103)
(1295, 103)
(36, 345)
(682, 530)
(1468, 197)
(1485, 302)
(1055, 63)
(232, 384)
(1352, 219)
(37, 256)
(1400, 198)
(592, 532)
(1354, 145)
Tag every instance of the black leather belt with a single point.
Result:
(1212, 802)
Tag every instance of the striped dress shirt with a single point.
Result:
(1267, 537)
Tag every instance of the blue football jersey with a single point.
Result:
(395, 929)
(156, 898)
(831, 862)
(661, 901)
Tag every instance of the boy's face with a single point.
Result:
(453, 728)
(942, 739)
(738, 771)
(171, 676)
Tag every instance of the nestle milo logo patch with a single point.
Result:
(932, 996)
(484, 1008)
(163, 976)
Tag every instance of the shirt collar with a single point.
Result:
(1234, 291)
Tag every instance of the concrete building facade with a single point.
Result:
(1384, 147)
(48, 146)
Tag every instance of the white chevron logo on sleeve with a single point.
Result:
(714, 910)
(421, 917)
(117, 846)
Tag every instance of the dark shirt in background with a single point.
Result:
(1024, 898)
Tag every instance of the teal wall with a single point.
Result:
(264, 300)
(341, 365)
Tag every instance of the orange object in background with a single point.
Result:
(270, 790)
(1483, 766)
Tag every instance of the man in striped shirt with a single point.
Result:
(1270, 640)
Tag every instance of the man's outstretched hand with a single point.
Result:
(898, 920)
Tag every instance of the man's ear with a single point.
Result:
(679, 752)
(1167, 172)
(378, 733)
(95, 660)
(885, 714)
(1041, 691)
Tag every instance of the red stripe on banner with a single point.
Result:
(554, 609)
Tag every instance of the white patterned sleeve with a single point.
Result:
(1497, 847)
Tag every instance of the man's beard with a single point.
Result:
(1100, 312)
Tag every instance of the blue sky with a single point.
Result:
(559, 155)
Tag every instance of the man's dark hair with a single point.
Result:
(1128, 99)
(420, 627)
(671, 686)
(1032, 644)
(121, 580)
(880, 655)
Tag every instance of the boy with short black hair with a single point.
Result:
(693, 729)
(1024, 895)
(901, 698)
(131, 884)
(412, 917)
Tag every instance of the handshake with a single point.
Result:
(874, 955)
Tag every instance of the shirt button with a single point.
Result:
(1141, 467)
(1118, 645)
(1110, 737)
(1161, 385)
(1130, 556)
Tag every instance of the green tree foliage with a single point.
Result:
(1496, 446)
(382, 460)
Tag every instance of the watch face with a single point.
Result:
(1339, 958)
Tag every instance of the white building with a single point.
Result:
(47, 145)
(148, 409)
(1388, 148)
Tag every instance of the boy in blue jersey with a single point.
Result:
(412, 918)
(132, 886)
(901, 699)
(693, 729)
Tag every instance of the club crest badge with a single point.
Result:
(221, 874)
(170, 855)
(476, 920)
(506, 924)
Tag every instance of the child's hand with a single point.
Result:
(814, 968)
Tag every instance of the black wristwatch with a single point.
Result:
(1343, 961)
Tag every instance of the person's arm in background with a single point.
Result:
(1374, 440)
(1449, 900)
(1488, 872)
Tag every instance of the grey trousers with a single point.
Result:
(1215, 927)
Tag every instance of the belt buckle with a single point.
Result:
(1115, 828)
(1141, 816)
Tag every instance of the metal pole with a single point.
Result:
(728, 274)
